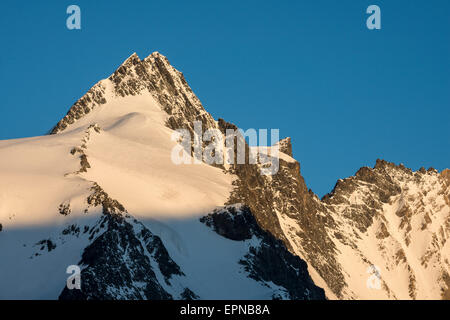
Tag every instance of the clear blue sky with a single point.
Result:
(346, 95)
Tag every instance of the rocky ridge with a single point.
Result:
(380, 216)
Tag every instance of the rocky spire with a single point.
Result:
(152, 75)
(285, 146)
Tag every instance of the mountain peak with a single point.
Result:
(155, 76)
(156, 54)
(131, 60)
(134, 59)
(380, 164)
(285, 146)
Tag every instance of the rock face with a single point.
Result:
(404, 216)
(155, 75)
(117, 265)
(281, 203)
(267, 260)
(387, 217)
(285, 146)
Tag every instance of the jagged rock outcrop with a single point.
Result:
(122, 258)
(403, 215)
(285, 146)
(93, 98)
(116, 265)
(388, 217)
(155, 75)
(281, 203)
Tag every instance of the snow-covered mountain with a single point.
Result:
(102, 192)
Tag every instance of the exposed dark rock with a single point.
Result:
(64, 209)
(237, 225)
(84, 163)
(285, 146)
(270, 261)
(93, 98)
(382, 232)
(46, 244)
(119, 262)
(95, 127)
(187, 294)
(75, 150)
(73, 229)
(115, 266)
(286, 193)
(446, 290)
(100, 197)
(156, 248)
